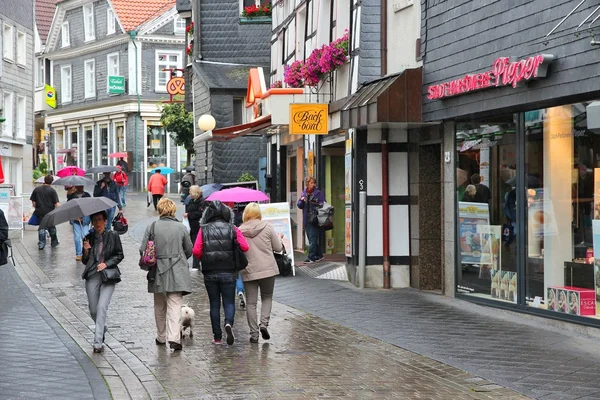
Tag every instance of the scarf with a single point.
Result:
(310, 191)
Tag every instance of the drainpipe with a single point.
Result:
(132, 35)
(384, 46)
(385, 207)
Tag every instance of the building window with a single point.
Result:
(88, 134)
(21, 48)
(104, 144)
(73, 143)
(90, 78)
(238, 112)
(179, 28)
(65, 84)
(120, 133)
(156, 145)
(111, 22)
(65, 35)
(21, 117)
(88, 22)
(112, 61)
(39, 73)
(250, 3)
(165, 60)
(8, 114)
(7, 43)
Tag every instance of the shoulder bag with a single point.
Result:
(240, 259)
(111, 275)
(284, 262)
(148, 258)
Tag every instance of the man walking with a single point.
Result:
(45, 199)
(122, 181)
(106, 187)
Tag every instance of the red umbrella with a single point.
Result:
(117, 155)
(68, 171)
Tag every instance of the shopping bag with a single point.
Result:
(186, 223)
(33, 220)
(149, 199)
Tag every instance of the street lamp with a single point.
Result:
(206, 122)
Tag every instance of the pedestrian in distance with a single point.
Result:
(311, 199)
(214, 248)
(81, 226)
(156, 186)
(123, 164)
(171, 280)
(102, 249)
(45, 199)
(193, 212)
(261, 270)
(122, 180)
(108, 188)
(3, 239)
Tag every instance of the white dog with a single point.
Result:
(187, 320)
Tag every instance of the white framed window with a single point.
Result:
(7, 42)
(8, 114)
(21, 117)
(111, 23)
(65, 35)
(112, 63)
(65, 84)
(39, 72)
(88, 22)
(165, 60)
(21, 48)
(179, 28)
(89, 68)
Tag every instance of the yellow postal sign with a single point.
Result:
(309, 119)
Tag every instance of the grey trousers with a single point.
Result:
(99, 295)
(266, 286)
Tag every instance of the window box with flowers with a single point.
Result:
(256, 14)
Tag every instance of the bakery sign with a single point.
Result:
(504, 72)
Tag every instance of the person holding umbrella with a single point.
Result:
(156, 186)
(45, 199)
(106, 187)
(80, 225)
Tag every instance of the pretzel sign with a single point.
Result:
(176, 85)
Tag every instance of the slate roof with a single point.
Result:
(44, 13)
(219, 76)
(132, 14)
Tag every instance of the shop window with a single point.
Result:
(73, 144)
(120, 130)
(88, 133)
(104, 148)
(562, 155)
(157, 146)
(486, 193)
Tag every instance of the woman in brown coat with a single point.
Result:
(261, 270)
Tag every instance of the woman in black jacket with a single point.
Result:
(193, 212)
(102, 250)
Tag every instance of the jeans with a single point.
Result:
(42, 237)
(220, 285)
(314, 250)
(111, 216)
(80, 229)
(239, 285)
(122, 190)
(99, 295)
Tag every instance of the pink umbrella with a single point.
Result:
(117, 155)
(238, 195)
(68, 171)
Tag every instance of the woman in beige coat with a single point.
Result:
(261, 270)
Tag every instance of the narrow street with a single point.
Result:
(307, 357)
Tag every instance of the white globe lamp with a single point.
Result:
(206, 122)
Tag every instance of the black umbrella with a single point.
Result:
(73, 180)
(100, 169)
(76, 208)
(190, 168)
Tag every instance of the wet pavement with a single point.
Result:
(307, 356)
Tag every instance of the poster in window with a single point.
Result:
(155, 144)
(348, 243)
(470, 217)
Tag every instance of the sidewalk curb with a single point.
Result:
(125, 375)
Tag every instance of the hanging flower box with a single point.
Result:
(256, 14)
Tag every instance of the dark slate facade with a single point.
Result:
(221, 38)
(462, 37)
(369, 64)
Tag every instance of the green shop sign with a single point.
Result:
(116, 84)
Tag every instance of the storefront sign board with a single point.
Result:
(504, 72)
(472, 215)
(278, 215)
(50, 93)
(116, 84)
(484, 165)
(309, 119)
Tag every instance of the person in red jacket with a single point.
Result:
(156, 186)
(121, 179)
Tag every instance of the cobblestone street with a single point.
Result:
(307, 356)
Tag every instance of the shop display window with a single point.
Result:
(486, 173)
(157, 146)
(104, 150)
(89, 146)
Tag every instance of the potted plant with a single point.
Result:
(256, 14)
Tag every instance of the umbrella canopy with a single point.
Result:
(76, 208)
(65, 151)
(68, 171)
(74, 180)
(238, 195)
(190, 168)
(41, 179)
(210, 188)
(100, 169)
(118, 155)
(163, 170)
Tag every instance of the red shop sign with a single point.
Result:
(504, 72)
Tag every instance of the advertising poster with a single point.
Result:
(484, 165)
(348, 169)
(470, 216)
(348, 245)
(14, 216)
(540, 222)
(491, 237)
(596, 241)
(278, 215)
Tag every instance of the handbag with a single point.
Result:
(186, 224)
(240, 259)
(120, 224)
(111, 275)
(284, 262)
(148, 258)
